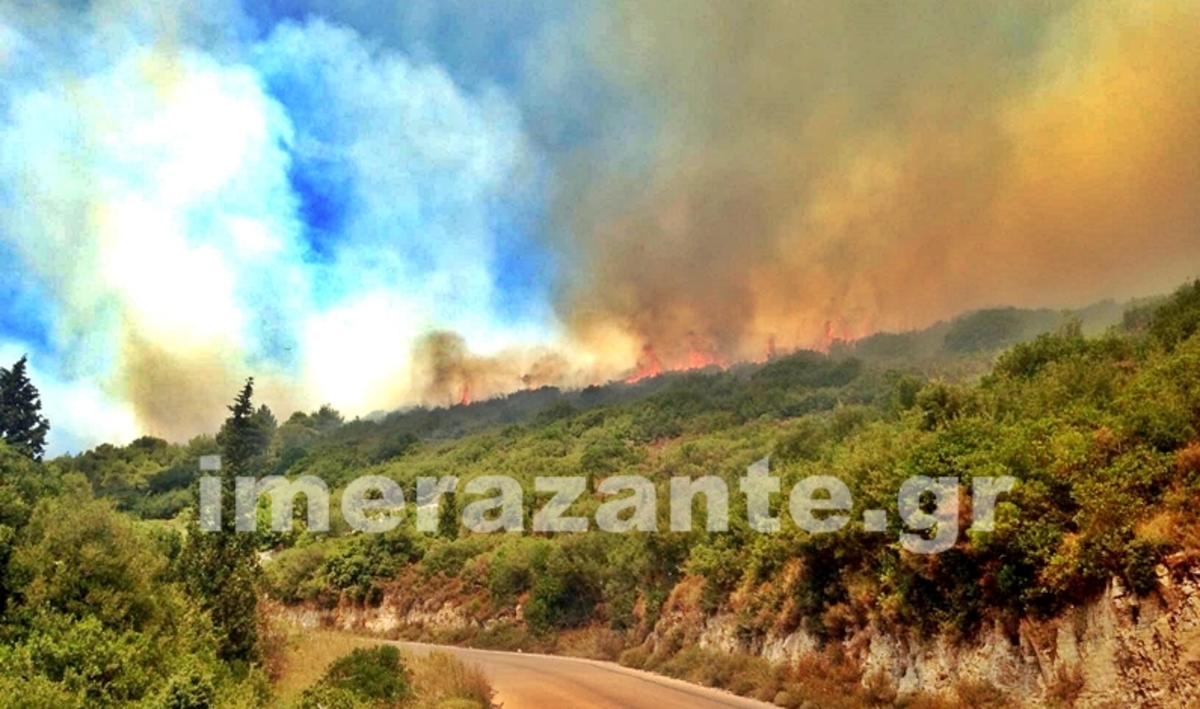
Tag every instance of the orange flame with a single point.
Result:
(698, 359)
(648, 366)
(840, 332)
(702, 354)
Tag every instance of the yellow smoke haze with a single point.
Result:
(832, 169)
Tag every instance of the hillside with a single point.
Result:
(155, 479)
(1099, 432)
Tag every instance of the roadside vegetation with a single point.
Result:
(378, 676)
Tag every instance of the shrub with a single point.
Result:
(1027, 359)
(448, 558)
(367, 559)
(376, 675)
(325, 697)
(635, 657)
(192, 688)
(564, 594)
(292, 574)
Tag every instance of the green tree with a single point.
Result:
(82, 558)
(1178, 318)
(18, 488)
(22, 425)
(266, 420)
(448, 516)
(221, 567)
(327, 419)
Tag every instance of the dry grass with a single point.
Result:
(592, 642)
(815, 681)
(274, 635)
(307, 657)
(444, 681)
(441, 680)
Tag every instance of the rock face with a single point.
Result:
(441, 610)
(394, 613)
(1117, 651)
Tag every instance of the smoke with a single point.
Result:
(446, 372)
(203, 207)
(108, 179)
(813, 167)
(371, 210)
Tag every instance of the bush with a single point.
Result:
(394, 447)
(84, 558)
(374, 675)
(192, 688)
(1027, 359)
(635, 657)
(293, 575)
(564, 593)
(364, 560)
(325, 697)
(449, 558)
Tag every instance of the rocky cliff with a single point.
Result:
(1118, 650)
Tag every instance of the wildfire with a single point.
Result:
(648, 366)
(699, 359)
(702, 354)
(839, 332)
(465, 400)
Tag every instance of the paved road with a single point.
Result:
(528, 681)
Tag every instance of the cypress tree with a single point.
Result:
(221, 567)
(22, 425)
(448, 516)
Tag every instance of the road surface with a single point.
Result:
(529, 681)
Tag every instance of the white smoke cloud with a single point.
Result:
(425, 167)
(146, 182)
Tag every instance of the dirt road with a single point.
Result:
(527, 681)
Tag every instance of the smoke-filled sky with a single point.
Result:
(376, 204)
